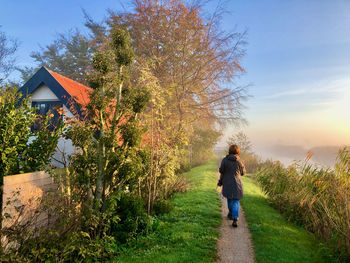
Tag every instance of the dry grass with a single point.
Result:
(317, 198)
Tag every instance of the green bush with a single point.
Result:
(162, 206)
(68, 241)
(185, 166)
(23, 150)
(133, 218)
(51, 246)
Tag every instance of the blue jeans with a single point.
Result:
(233, 207)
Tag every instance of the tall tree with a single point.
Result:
(189, 63)
(194, 62)
(242, 141)
(109, 137)
(192, 57)
(71, 53)
(7, 49)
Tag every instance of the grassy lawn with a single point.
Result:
(275, 239)
(187, 233)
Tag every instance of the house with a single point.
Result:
(48, 90)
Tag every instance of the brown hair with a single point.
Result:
(234, 149)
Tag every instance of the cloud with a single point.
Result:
(286, 94)
(326, 90)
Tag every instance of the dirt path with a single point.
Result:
(234, 244)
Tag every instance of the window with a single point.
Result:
(43, 107)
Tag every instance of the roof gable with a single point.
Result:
(79, 92)
(43, 93)
(67, 90)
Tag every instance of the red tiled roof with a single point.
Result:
(79, 92)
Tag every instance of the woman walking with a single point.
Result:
(231, 170)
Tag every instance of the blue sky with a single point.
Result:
(298, 60)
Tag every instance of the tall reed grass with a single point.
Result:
(253, 162)
(316, 197)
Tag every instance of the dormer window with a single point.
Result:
(42, 109)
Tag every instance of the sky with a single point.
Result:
(297, 62)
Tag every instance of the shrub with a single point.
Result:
(251, 162)
(67, 240)
(133, 218)
(23, 150)
(176, 184)
(162, 206)
(185, 166)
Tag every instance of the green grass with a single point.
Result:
(187, 233)
(275, 239)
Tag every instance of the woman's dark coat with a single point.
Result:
(231, 170)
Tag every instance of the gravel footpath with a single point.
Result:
(234, 244)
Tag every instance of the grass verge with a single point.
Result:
(275, 239)
(187, 233)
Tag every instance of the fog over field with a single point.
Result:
(287, 154)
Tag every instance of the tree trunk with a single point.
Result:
(101, 158)
(1, 203)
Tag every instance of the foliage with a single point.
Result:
(183, 51)
(315, 197)
(189, 232)
(52, 246)
(154, 108)
(274, 238)
(7, 49)
(108, 159)
(251, 161)
(186, 90)
(192, 57)
(94, 209)
(133, 220)
(161, 143)
(242, 141)
(70, 54)
(65, 240)
(162, 206)
(176, 43)
(21, 149)
(202, 144)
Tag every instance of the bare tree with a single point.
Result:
(8, 47)
(242, 141)
(71, 52)
(193, 58)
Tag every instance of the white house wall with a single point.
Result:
(67, 113)
(43, 93)
(65, 147)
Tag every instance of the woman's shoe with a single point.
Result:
(235, 222)
(229, 216)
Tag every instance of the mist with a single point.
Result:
(288, 153)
